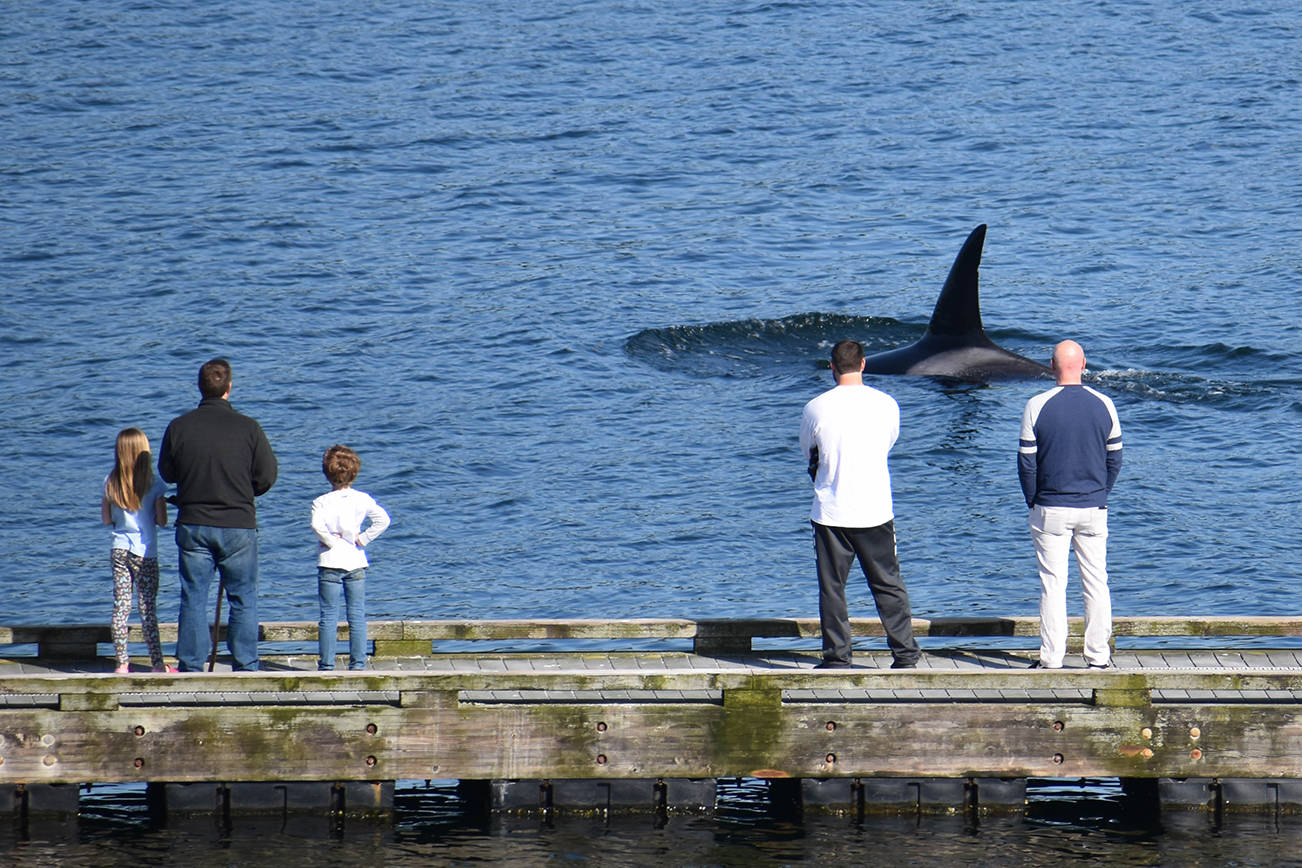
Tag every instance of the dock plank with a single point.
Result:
(714, 709)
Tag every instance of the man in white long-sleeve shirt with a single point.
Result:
(846, 434)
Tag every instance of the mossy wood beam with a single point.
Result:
(764, 723)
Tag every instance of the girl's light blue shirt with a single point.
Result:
(137, 532)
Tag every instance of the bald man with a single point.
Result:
(1068, 459)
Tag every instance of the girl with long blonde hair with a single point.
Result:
(133, 503)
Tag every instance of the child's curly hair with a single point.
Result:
(340, 465)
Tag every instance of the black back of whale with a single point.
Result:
(955, 344)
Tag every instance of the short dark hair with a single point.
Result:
(340, 465)
(214, 378)
(846, 356)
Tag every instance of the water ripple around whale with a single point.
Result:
(798, 344)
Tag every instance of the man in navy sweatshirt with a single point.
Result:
(1068, 459)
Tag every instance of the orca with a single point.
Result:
(955, 344)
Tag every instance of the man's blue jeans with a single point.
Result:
(352, 584)
(202, 551)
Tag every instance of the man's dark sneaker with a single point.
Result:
(1101, 666)
(833, 664)
(904, 664)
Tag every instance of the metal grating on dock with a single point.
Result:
(259, 697)
(590, 697)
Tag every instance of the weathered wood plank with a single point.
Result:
(635, 678)
(682, 628)
(719, 637)
(751, 735)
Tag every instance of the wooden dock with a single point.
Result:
(713, 703)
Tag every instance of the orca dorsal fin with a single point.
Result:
(958, 310)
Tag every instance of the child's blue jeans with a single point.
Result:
(330, 583)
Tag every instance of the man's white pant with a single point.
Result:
(1056, 531)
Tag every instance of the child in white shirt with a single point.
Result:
(341, 565)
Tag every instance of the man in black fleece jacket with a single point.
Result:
(220, 461)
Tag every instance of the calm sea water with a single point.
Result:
(565, 273)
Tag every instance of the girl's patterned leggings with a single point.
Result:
(133, 572)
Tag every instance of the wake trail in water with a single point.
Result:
(794, 345)
(1232, 378)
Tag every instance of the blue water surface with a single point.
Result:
(565, 273)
